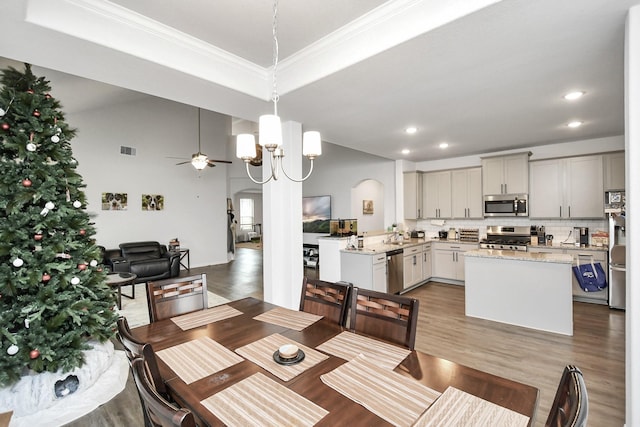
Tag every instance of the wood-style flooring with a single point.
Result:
(525, 355)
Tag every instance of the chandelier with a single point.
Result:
(270, 129)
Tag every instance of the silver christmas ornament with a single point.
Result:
(18, 262)
(13, 349)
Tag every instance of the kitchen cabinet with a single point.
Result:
(436, 195)
(567, 188)
(412, 266)
(506, 174)
(364, 270)
(412, 195)
(448, 260)
(614, 171)
(466, 193)
(427, 262)
(581, 255)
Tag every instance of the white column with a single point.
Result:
(282, 218)
(632, 153)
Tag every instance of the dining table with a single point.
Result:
(222, 361)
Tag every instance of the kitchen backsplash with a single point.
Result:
(560, 229)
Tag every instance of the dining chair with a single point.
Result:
(178, 295)
(158, 411)
(327, 299)
(389, 317)
(134, 349)
(571, 405)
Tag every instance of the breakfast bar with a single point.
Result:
(520, 288)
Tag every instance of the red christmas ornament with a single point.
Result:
(83, 232)
(37, 237)
(5, 126)
(26, 182)
(47, 95)
(46, 277)
(34, 353)
(30, 91)
(36, 113)
(82, 266)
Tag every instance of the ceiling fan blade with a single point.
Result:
(219, 161)
(211, 164)
(183, 163)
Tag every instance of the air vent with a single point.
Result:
(127, 151)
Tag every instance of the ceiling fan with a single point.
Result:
(200, 160)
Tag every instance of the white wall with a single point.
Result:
(195, 202)
(340, 169)
(369, 189)
(632, 144)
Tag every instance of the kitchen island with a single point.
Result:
(520, 288)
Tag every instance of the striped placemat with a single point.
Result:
(456, 408)
(348, 345)
(260, 401)
(292, 319)
(394, 397)
(261, 353)
(204, 317)
(197, 359)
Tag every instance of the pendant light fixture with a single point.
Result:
(270, 129)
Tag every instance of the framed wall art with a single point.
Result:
(152, 202)
(367, 207)
(114, 201)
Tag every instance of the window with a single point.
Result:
(246, 214)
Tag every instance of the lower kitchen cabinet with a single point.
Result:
(582, 256)
(448, 260)
(364, 270)
(427, 262)
(412, 263)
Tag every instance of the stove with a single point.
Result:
(513, 238)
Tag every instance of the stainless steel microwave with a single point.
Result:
(506, 205)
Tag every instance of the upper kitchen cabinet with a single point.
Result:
(466, 193)
(614, 171)
(436, 194)
(412, 195)
(506, 174)
(567, 188)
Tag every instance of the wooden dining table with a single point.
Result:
(241, 330)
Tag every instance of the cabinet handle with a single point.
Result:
(569, 211)
(505, 188)
(415, 261)
(560, 211)
(419, 214)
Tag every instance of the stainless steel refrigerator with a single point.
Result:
(616, 215)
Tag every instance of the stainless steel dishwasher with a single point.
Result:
(395, 270)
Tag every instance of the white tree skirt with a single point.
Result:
(33, 398)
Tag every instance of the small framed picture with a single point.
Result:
(367, 207)
(152, 202)
(114, 201)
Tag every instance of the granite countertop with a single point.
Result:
(572, 246)
(377, 248)
(521, 256)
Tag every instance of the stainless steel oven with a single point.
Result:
(506, 205)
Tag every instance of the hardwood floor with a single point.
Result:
(529, 356)
(525, 355)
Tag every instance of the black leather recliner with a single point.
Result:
(147, 260)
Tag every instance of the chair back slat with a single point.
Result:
(327, 299)
(158, 411)
(179, 295)
(393, 318)
(571, 404)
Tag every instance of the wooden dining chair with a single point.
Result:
(179, 295)
(158, 411)
(134, 349)
(327, 299)
(389, 317)
(571, 405)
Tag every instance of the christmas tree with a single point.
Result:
(53, 295)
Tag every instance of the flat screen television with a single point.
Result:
(316, 213)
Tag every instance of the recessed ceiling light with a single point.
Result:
(573, 95)
(574, 124)
(406, 151)
(443, 145)
(411, 130)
